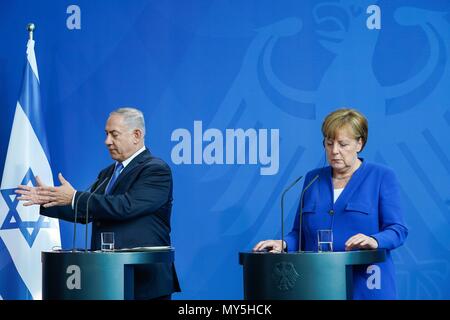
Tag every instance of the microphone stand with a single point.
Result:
(87, 212)
(76, 215)
(301, 212)
(282, 210)
(75, 222)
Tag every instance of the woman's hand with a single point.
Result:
(273, 246)
(360, 241)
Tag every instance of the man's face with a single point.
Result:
(121, 141)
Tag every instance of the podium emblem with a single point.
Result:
(285, 275)
(74, 278)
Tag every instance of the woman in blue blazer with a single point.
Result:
(358, 200)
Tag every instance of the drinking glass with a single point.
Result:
(325, 240)
(107, 241)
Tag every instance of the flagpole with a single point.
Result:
(30, 28)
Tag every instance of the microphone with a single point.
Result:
(76, 215)
(87, 211)
(282, 210)
(301, 212)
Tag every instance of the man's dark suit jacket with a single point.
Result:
(138, 211)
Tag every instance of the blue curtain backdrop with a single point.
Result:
(254, 64)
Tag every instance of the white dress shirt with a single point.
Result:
(337, 193)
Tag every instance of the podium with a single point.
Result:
(95, 275)
(303, 275)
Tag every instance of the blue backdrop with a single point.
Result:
(200, 70)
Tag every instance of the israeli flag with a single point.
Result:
(23, 232)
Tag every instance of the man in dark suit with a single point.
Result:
(132, 198)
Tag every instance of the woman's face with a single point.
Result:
(342, 152)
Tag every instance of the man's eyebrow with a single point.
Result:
(112, 131)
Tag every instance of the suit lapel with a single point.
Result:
(136, 162)
(104, 175)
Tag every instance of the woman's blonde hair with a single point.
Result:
(350, 118)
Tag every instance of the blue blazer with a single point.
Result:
(369, 204)
(138, 211)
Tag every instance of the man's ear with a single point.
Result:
(137, 133)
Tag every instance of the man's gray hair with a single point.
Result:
(133, 118)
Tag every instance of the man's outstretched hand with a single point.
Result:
(45, 195)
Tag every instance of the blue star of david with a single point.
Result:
(13, 219)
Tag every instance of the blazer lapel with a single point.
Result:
(136, 162)
(106, 174)
(356, 179)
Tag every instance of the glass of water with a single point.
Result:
(325, 240)
(107, 241)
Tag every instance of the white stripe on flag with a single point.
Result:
(32, 58)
